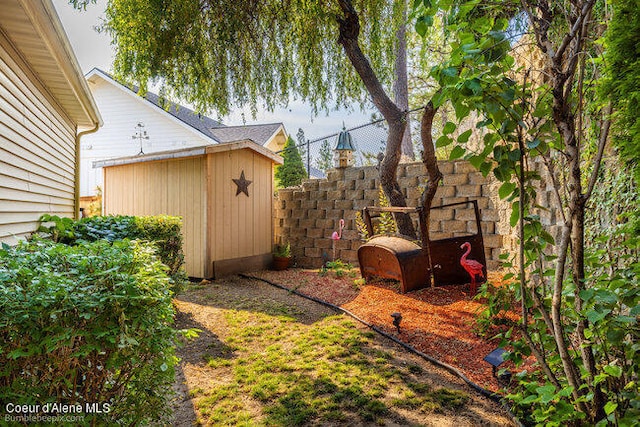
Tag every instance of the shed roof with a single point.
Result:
(35, 32)
(191, 152)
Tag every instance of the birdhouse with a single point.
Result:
(343, 153)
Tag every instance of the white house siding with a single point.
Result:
(121, 111)
(36, 151)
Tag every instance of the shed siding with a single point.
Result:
(240, 226)
(121, 112)
(172, 187)
(37, 146)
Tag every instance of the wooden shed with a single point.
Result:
(223, 192)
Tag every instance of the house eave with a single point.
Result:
(36, 34)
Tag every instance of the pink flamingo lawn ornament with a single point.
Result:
(337, 235)
(473, 267)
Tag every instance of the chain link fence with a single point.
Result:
(369, 141)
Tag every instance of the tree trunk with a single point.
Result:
(401, 85)
(435, 176)
(349, 31)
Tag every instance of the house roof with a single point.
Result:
(190, 152)
(316, 173)
(260, 134)
(187, 116)
(34, 31)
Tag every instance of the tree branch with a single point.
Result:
(349, 26)
(602, 142)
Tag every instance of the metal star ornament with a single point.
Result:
(243, 184)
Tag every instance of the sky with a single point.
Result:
(93, 49)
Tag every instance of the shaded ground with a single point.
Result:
(440, 321)
(268, 357)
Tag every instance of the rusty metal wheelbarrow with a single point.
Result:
(399, 258)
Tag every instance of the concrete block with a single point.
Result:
(415, 170)
(454, 226)
(472, 227)
(446, 167)
(335, 195)
(472, 191)
(347, 184)
(315, 233)
(492, 241)
(488, 227)
(465, 214)
(335, 215)
(300, 195)
(440, 235)
(477, 178)
(449, 200)
(324, 223)
(490, 215)
(371, 173)
(455, 179)
(350, 234)
(408, 181)
(354, 173)
(483, 203)
(371, 195)
(285, 194)
(343, 244)
(309, 204)
(298, 232)
(310, 184)
(353, 195)
(358, 205)
(299, 214)
(325, 204)
(306, 223)
(317, 214)
(495, 253)
(335, 175)
(313, 252)
(444, 214)
(323, 243)
(325, 185)
(463, 167)
(445, 191)
(349, 255)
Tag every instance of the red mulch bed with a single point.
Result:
(439, 322)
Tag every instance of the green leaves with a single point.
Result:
(456, 153)
(423, 24)
(292, 171)
(506, 190)
(96, 311)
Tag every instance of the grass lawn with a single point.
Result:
(267, 357)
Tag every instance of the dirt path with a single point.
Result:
(225, 377)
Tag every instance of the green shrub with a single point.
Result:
(87, 323)
(163, 231)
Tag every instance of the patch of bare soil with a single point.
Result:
(206, 308)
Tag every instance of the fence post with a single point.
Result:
(308, 160)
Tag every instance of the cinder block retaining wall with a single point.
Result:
(307, 215)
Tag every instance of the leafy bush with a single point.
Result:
(87, 323)
(164, 232)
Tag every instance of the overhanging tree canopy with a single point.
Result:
(219, 54)
(216, 54)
